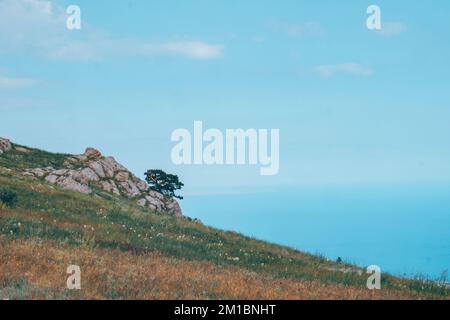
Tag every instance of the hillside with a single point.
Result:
(130, 249)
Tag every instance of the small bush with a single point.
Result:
(8, 197)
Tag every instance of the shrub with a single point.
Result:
(8, 197)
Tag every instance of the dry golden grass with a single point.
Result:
(126, 252)
(112, 274)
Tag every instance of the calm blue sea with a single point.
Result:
(403, 229)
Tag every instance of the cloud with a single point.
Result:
(191, 49)
(29, 24)
(38, 27)
(345, 68)
(391, 29)
(308, 29)
(98, 48)
(14, 83)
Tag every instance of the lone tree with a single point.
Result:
(164, 183)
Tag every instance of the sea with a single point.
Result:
(403, 229)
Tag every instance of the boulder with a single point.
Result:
(142, 202)
(173, 208)
(130, 189)
(156, 195)
(51, 178)
(154, 203)
(22, 149)
(38, 172)
(89, 175)
(60, 172)
(122, 176)
(92, 153)
(5, 145)
(98, 169)
(70, 184)
(105, 185)
(115, 189)
(109, 186)
(141, 185)
(111, 166)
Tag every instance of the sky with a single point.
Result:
(354, 106)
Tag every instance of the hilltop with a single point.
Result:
(88, 173)
(90, 211)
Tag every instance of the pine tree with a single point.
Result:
(164, 183)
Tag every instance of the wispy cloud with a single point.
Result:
(97, 48)
(299, 30)
(191, 49)
(14, 83)
(391, 29)
(39, 27)
(344, 68)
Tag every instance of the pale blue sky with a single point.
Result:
(353, 105)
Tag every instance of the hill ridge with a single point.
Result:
(92, 173)
(128, 251)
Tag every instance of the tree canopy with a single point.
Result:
(164, 183)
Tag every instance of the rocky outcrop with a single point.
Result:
(91, 173)
(5, 145)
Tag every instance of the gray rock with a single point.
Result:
(97, 167)
(142, 202)
(5, 145)
(77, 176)
(154, 203)
(90, 169)
(134, 191)
(5, 170)
(110, 166)
(142, 186)
(106, 186)
(21, 149)
(38, 172)
(81, 157)
(115, 189)
(156, 195)
(122, 176)
(92, 153)
(70, 184)
(89, 175)
(60, 172)
(110, 186)
(130, 189)
(173, 208)
(51, 178)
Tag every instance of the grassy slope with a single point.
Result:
(126, 251)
